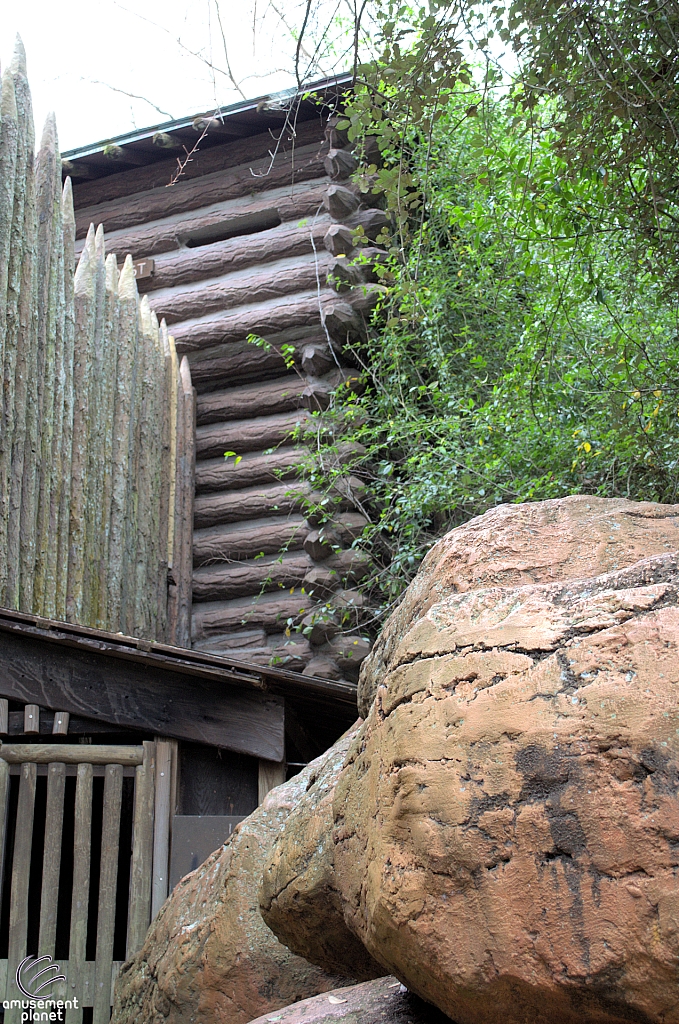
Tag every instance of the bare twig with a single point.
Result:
(182, 164)
(131, 95)
(300, 37)
(357, 32)
(226, 52)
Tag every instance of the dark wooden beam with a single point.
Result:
(224, 671)
(129, 695)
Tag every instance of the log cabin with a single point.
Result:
(244, 256)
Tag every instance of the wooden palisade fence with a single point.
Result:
(95, 415)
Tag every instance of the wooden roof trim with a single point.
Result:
(238, 121)
(174, 659)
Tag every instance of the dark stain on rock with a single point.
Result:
(661, 769)
(567, 833)
(479, 805)
(545, 772)
(597, 997)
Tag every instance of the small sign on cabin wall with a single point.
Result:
(143, 268)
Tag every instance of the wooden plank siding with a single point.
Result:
(130, 695)
(249, 246)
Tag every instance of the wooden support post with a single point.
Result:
(21, 866)
(186, 472)
(108, 879)
(4, 717)
(166, 751)
(51, 861)
(142, 852)
(81, 891)
(31, 719)
(4, 799)
(60, 724)
(271, 774)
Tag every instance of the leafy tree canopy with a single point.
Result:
(526, 340)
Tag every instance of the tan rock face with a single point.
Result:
(298, 898)
(507, 825)
(208, 957)
(374, 1002)
(512, 545)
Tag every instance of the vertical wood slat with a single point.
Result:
(21, 866)
(85, 286)
(142, 852)
(31, 719)
(271, 774)
(165, 751)
(4, 716)
(122, 422)
(171, 404)
(186, 469)
(51, 862)
(25, 335)
(108, 879)
(166, 477)
(81, 890)
(60, 724)
(4, 798)
(61, 541)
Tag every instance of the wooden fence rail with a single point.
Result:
(92, 404)
(89, 981)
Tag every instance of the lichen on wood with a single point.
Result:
(88, 404)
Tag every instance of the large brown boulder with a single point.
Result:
(542, 542)
(208, 957)
(298, 897)
(385, 1001)
(507, 823)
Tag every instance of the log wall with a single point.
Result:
(93, 410)
(246, 247)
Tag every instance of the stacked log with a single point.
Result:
(89, 407)
(247, 246)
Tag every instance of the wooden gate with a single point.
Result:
(105, 887)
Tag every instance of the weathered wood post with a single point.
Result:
(22, 275)
(120, 458)
(186, 466)
(85, 313)
(62, 536)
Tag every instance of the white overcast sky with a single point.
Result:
(81, 51)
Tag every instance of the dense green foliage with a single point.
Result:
(614, 67)
(525, 348)
(526, 341)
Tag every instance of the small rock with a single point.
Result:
(384, 1001)
(323, 668)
